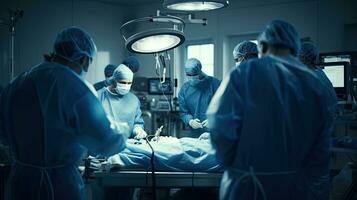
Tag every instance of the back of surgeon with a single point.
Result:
(285, 128)
(43, 113)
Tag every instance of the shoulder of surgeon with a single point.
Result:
(67, 81)
(215, 81)
(101, 92)
(132, 96)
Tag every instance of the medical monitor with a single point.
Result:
(336, 72)
(158, 88)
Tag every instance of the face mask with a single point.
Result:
(122, 89)
(83, 75)
(193, 78)
(238, 63)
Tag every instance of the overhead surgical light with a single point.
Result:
(195, 5)
(153, 34)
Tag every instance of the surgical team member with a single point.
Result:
(244, 51)
(309, 55)
(270, 123)
(194, 97)
(121, 104)
(108, 72)
(132, 62)
(50, 118)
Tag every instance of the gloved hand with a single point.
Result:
(139, 133)
(205, 123)
(195, 123)
(204, 136)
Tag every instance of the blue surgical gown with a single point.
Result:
(194, 100)
(271, 122)
(50, 118)
(122, 108)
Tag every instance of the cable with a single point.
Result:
(152, 166)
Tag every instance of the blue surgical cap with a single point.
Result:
(245, 49)
(193, 66)
(281, 33)
(109, 70)
(133, 63)
(123, 72)
(74, 43)
(309, 52)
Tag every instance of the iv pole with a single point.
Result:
(14, 16)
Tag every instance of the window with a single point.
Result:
(205, 54)
(96, 70)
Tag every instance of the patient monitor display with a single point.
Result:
(336, 74)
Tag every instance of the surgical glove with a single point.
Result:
(205, 123)
(204, 136)
(139, 133)
(195, 123)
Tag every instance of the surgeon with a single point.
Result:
(244, 51)
(271, 121)
(194, 97)
(50, 119)
(122, 105)
(309, 55)
(132, 62)
(108, 72)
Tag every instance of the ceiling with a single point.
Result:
(131, 2)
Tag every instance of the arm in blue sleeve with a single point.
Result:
(318, 163)
(184, 113)
(225, 114)
(94, 129)
(138, 121)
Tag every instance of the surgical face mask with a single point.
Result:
(83, 74)
(122, 89)
(193, 78)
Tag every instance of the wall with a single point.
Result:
(42, 19)
(324, 21)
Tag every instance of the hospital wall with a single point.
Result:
(323, 21)
(330, 23)
(42, 20)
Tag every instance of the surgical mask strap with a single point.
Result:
(65, 61)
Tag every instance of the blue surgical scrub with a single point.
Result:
(50, 118)
(122, 108)
(194, 99)
(271, 122)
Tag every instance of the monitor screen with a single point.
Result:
(336, 74)
(335, 58)
(158, 88)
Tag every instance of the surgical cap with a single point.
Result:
(133, 63)
(74, 43)
(123, 72)
(245, 49)
(193, 66)
(309, 52)
(281, 33)
(109, 70)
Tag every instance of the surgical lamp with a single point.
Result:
(153, 34)
(195, 5)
